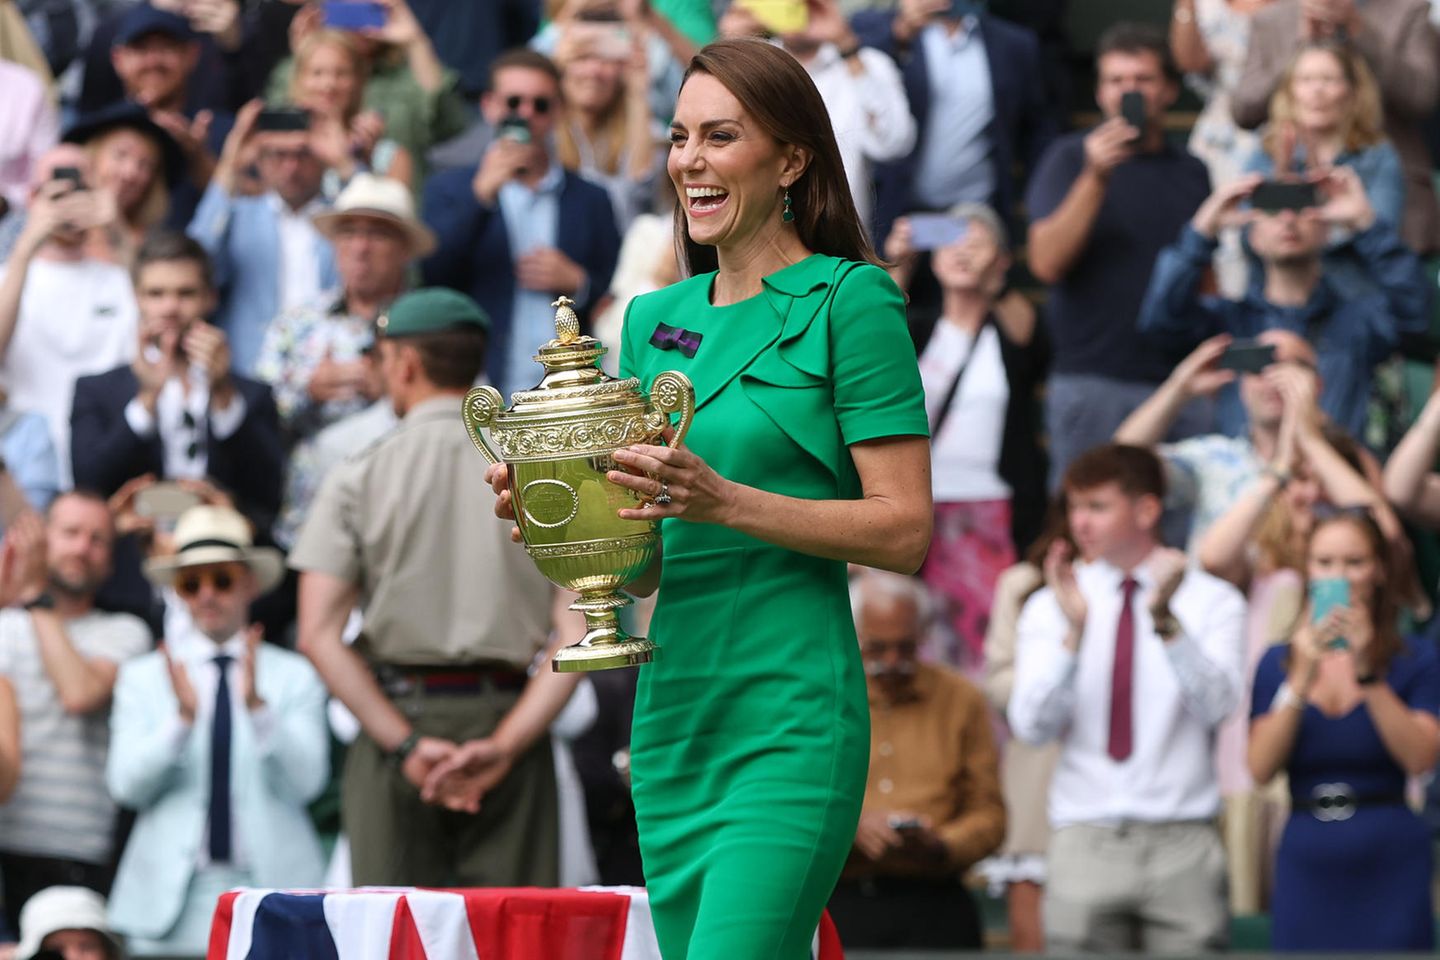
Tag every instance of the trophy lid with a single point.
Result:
(570, 350)
(572, 367)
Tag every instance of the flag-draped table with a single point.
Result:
(395, 923)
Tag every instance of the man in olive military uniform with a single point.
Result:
(454, 615)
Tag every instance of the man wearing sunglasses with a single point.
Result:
(517, 230)
(218, 741)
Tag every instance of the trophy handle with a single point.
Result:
(672, 392)
(481, 408)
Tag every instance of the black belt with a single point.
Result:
(1332, 802)
(449, 681)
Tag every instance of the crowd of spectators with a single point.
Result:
(1167, 662)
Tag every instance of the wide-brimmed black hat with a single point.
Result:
(131, 116)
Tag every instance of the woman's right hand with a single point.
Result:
(498, 476)
(898, 244)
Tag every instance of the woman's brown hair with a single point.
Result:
(345, 42)
(154, 207)
(781, 98)
(1363, 123)
(1385, 598)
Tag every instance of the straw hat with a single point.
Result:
(62, 908)
(378, 198)
(206, 535)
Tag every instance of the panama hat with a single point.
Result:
(379, 198)
(62, 908)
(205, 535)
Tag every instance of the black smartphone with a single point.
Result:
(354, 15)
(1273, 196)
(282, 120)
(1247, 356)
(514, 127)
(1132, 109)
(69, 175)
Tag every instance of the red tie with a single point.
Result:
(1122, 681)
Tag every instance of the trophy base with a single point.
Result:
(605, 646)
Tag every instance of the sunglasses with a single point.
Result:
(197, 440)
(540, 105)
(189, 583)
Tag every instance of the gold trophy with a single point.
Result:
(557, 441)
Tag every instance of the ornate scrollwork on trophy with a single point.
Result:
(573, 438)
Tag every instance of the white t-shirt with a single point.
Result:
(965, 456)
(76, 319)
(61, 807)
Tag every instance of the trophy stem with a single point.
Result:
(605, 645)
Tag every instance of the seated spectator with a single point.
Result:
(1351, 335)
(63, 313)
(1204, 474)
(61, 655)
(155, 54)
(1347, 709)
(976, 86)
(1102, 203)
(611, 138)
(1131, 660)
(329, 82)
(861, 86)
(1399, 44)
(218, 742)
(518, 229)
(136, 162)
(269, 258)
(932, 801)
(29, 126)
(312, 356)
(178, 411)
(981, 366)
(67, 923)
(404, 82)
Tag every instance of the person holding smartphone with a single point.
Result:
(1348, 710)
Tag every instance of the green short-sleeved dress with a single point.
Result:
(752, 735)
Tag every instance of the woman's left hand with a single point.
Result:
(695, 490)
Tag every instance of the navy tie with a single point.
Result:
(220, 768)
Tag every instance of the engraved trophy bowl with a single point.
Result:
(557, 441)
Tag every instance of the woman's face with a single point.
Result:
(1320, 91)
(126, 164)
(727, 171)
(1340, 550)
(591, 83)
(328, 83)
(972, 263)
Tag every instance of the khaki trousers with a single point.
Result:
(1153, 887)
(398, 840)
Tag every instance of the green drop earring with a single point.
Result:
(789, 215)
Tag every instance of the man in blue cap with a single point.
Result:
(455, 614)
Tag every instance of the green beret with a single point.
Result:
(431, 310)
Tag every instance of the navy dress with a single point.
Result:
(1360, 884)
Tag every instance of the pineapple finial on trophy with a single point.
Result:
(567, 324)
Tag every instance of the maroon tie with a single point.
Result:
(1122, 681)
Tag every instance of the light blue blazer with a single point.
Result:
(243, 240)
(170, 788)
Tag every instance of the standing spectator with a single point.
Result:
(1397, 41)
(518, 229)
(932, 801)
(63, 314)
(29, 126)
(62, 655)
(468, 36)
(438, 681)
(219, 741)
(982, 367)
(1352, 334)
(1348, 710)
(67, 923)
(1102, 203)
(1130, 660)
(269, 257)
(976, 87)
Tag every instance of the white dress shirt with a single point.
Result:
(1183, 689)
(300, 244)
(186, 455)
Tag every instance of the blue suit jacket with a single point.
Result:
(271, 785)
(473, 255)
(1024, 122)
(243, 239)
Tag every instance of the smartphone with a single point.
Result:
(1247, 356)
(931, 231)
(165, 501)
(1273, 196)
(354, 15)
(514, 127)
(1132, 109)
(612, 43)
(69, 175)
(282, 119)
(780, 17)
(1326, 594)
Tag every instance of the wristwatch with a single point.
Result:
(1368, 679)
(46, 601)
(400, 754)
(1282, 477)
(1166, 625)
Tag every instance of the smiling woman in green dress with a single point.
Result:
(808, 451)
